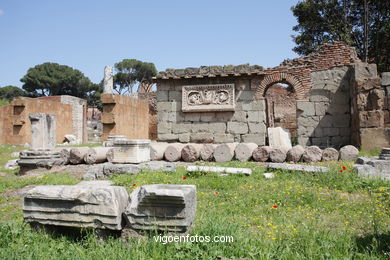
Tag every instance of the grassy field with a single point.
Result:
(296, 215)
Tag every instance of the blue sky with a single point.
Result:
(89, 34)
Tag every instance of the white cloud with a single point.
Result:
(1, 12)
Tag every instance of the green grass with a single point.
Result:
(335, 215)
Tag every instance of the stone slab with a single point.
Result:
(193, 168)
(162, 207)
(297, 167)
(279, 138)
(131, 151)
(88, 204)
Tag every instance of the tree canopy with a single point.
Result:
(10, 92)
(132, 74)
(51, 79)
(364, 24)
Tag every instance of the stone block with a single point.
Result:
(217, 127)
(321, 108)
(302, 140)
(375, 99)
(385, 78)
(237, 128)
(167, 137)
(131, 151)
(202, 137)
(239, 116)
(43, 130)
(180, 128)
(162, 207)
(258, 104)
(200, 127)
(255, 116)
(257, 128)
(344, 131)
(318, 132)
(279, 138)
(162, 95)
(184, 137)
(371, 119)
(207, 117)
(174, 95)
(165, 106)
(365, 70)
(326, 121)
(380, 165)
(110, 169)
(158, 166)
(307, 108)
(258, 139)
(297, 167)
(366, 84)
(164, 86)
(224, 116)
(338, 109)
(341, 121)
(164, 127)
(223, 138)
(331, 131)
(193, 117)
(366, 170)
(88, 204)
(310, 121)
(372, 138)
(246, 95)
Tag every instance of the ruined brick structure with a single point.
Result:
(124, 115)
(327, 90)
(70, 113)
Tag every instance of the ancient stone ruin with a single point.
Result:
(97, 204)
(338, 98)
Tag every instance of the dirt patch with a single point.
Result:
(75, 170)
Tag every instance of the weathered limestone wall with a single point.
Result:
(324, 119)
(245, 124)
(368, 113)
(16, 125)
(123, 115)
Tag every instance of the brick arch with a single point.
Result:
(280, 77)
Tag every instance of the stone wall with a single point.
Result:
(123, 115)
(245, 124)
(15, 126)
(324, 119)
(327, 85)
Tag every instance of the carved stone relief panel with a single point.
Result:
(202, 98)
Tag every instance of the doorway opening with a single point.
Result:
(282, 107)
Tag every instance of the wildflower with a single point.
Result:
(275, 207)
(344, 168)
(341, 171)
(134, 185)
(184, 178)
(216, 192)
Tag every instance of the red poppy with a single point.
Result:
(341, 171)
(344, 168)
(184, 178)
(216, 192)
(275, 207)
(134, 184)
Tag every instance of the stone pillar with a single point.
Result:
(108, 82)
(368, 130)
(43, 130)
